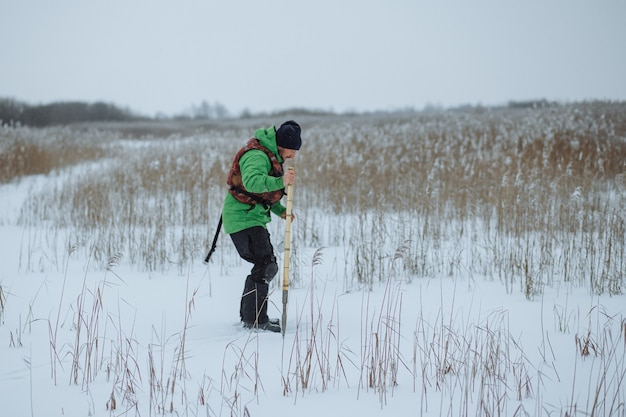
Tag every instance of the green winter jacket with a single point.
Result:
(255, 166)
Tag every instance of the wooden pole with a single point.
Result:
(287, 255)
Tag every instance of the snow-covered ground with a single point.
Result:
(391, 312)
(85, 342)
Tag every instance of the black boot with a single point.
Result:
(253, 308)
(246, 309)
(271, 326)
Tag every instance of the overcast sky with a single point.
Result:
(263, 55)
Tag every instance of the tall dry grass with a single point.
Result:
(537, 195)
(530, 197)
(27, 151)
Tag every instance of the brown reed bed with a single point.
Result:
(502, 181)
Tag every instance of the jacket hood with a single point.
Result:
(267, 138)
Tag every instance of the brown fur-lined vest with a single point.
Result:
(235, 183)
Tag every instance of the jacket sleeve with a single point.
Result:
(255, 168)
(278, 209)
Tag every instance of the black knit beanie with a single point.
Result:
(288, 135)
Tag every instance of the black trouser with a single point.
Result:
(254, 246)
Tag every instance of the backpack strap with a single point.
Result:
(214, 245)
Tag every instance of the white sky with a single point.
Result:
(165, 56)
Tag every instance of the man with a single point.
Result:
(257, 183)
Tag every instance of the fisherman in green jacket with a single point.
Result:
(257, 183)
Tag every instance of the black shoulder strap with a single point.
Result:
(214, 245)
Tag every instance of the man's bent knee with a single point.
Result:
(271, 269)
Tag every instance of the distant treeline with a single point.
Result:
(13, 112)
(16, 113)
